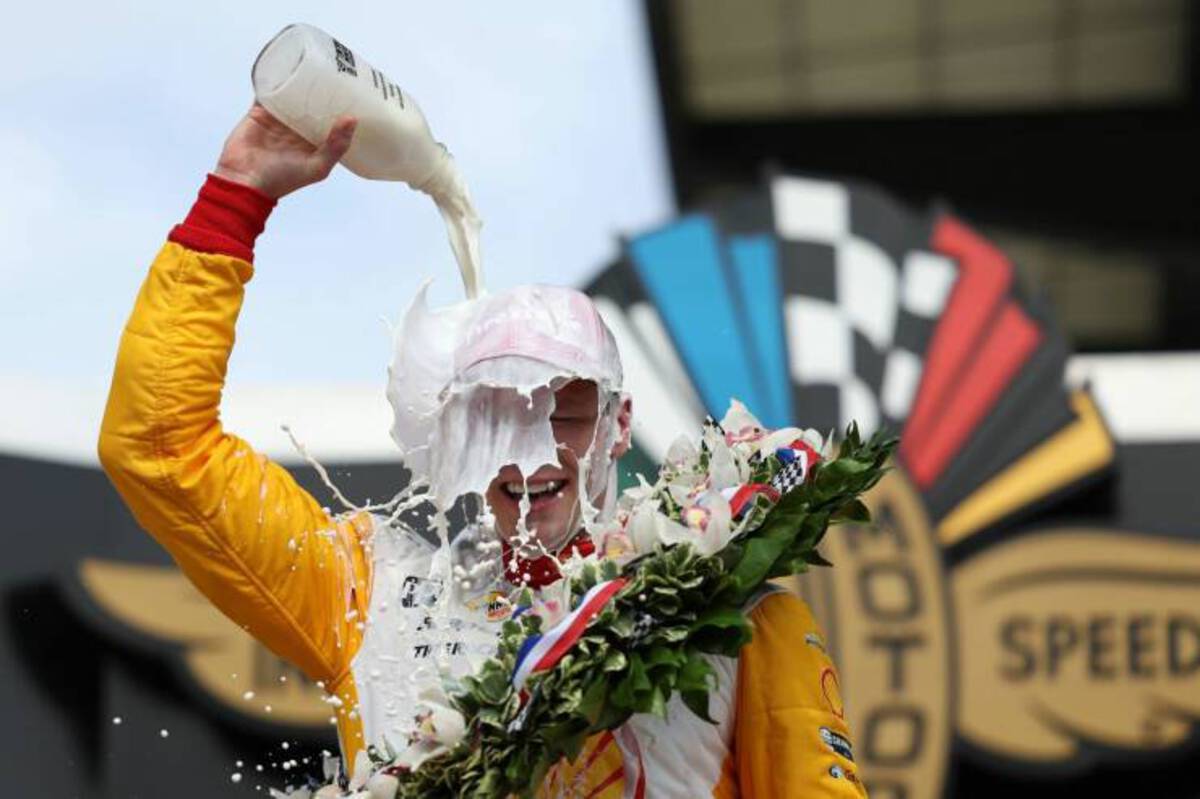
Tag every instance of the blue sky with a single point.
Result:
(114, 112)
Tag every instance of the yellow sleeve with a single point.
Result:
(791, 738)
(238, 525)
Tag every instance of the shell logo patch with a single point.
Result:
(832, 693)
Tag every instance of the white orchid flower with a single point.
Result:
(682, 493)
(725, 469)
(439, 722)
(616, 545)
(682, 452)
(643, 526)
(638, 493)
(786, 435)
(741, 425)
(709, 522)
(824, 446)
(439, 729)
(648, 528)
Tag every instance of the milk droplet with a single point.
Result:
(235, 777)
(163, 733)
(248, 695)
(116, 719)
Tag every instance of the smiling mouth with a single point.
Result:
(541, 492)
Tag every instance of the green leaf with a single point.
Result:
(720, 618)
(758, 557)
(697, 702)
(671, 635)
(658, 702)
(816, 558)
(493, 686)
(697, 673)
(611, 717)
(721, 631)
(634, 684)
(854, 511)
(637, 674)
(592, 702)
(623, 626)
(791, 565)
(662, 655)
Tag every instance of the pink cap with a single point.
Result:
(551, 324)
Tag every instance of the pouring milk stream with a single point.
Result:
(307, 79)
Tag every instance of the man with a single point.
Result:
(345, 597)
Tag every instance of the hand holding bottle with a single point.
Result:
(310, 82)
(267, 155)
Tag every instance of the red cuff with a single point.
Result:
(226, 219)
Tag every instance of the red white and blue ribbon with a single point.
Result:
(741, 498)
(540, 652)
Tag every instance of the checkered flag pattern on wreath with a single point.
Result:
(642, 626)
(862, 294)
(790, 476)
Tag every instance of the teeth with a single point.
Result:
(535, 489)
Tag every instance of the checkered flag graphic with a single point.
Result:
(642, 626)
(862, 294)
(791, 475)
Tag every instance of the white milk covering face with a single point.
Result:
(472, 388)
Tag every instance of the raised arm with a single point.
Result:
(237, 524)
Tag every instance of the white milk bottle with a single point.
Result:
(307, 79)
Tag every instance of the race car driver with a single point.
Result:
(317, 589)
